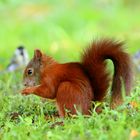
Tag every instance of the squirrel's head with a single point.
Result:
(31, 75)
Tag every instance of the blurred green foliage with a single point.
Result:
(67, 25)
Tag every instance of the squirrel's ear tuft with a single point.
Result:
(37, 54)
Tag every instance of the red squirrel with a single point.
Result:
(76, 85)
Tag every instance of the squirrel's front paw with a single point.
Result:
(26, 91)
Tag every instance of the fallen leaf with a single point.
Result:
(134, 133)
(134, 104)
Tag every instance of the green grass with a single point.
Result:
(62, 29)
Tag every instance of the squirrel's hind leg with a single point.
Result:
(70, 99)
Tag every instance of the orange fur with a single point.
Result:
(76, 85)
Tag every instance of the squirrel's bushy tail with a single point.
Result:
(94, 63)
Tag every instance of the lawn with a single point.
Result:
(62, 29)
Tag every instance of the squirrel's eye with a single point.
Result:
(30, 71)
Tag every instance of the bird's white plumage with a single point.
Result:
(19, 60)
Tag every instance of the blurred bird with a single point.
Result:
(136, 59)
(19, 60)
